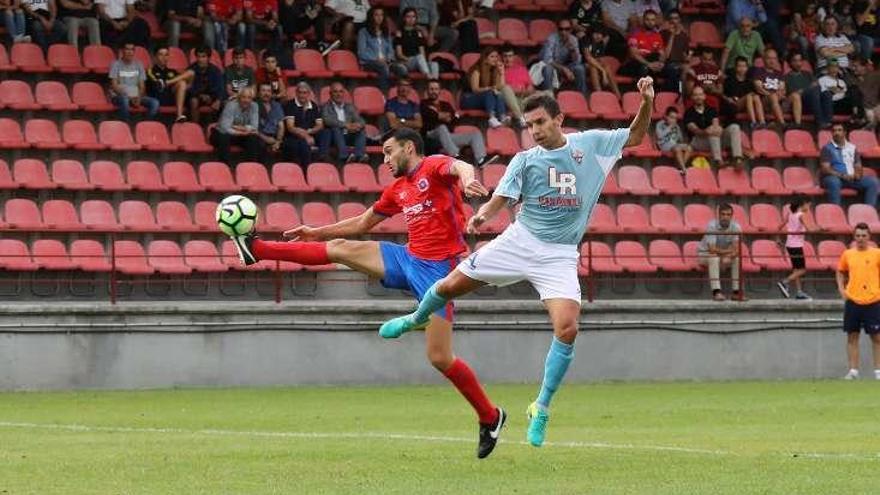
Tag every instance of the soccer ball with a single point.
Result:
(236, 215)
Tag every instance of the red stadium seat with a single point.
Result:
(359, 177)
(766, 143)
(703, 33)
(735, 182)
(10, 135)
(250, 59)
(606, 105)
(131, 258)
(413, 95)
(23, 214)
(829, 253)
(800, 180)
(17, 95)
(29, 58)
(345, 64)
(800, 144)
(216, 176)
(526, 140)
(137, 216)
(190, 137)
(325, 95)
(153, 136)
(453, 62)
(488, 35)
(70, 174)
(181, 177)
(768, 255)
(502, 141)
(634, 180)
(632, 101)
(633, 218)
(664, 100)
(205, 215)
(98, 58)
(61, 214)
(80, 135)
(6, 181)
(492, 174)
(288, 177)
(645, 149)
(97, 214)
(597, 257)
(603, 220)
(311, 64)
(689, 252)
(281, 216)
(144, 176)
(107, 176)
(14, 255)
(610, 187)
(832, 218)
(810, 257)
(632, 257)
(91, 97)
(5, 65)
(65, 59)
(89, 256)
(52, 95)
(117, 136)
(768, 181)
(317, 214)
(32, 174)
(252, 176)
(540, 29)
(383, 173)
(866, 142)
(514, 31)
(167, 258)
(369, 100)
(214, 58)
(324, 177)
(741, 217)
(863, 213)
(665, 255)
(177, 59)
(697, 217)
(43, 134)
(50, 254)
(174, 216)
(667, 218)
(498, 223)
(202, 256)
(668, 180)
(701, 181)
(765, 217)
(574, 105)
(349, 210)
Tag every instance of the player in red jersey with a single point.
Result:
(428, 190)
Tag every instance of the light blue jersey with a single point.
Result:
(559, 188)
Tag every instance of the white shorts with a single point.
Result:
(518, 255)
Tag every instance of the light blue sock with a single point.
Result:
(558, 358)
(430, 303)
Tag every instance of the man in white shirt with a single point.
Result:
(841, 168)
(120, 25)
(845, 99)
(831, 44)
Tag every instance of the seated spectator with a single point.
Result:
(303, 128)
(128, 85)
(271, 74)
(42, 21)
(120, 23)
(677, 42)
(165, 84)
(483, 83)
(441, 38)
(562, 60)
(187, 14)
(459, 14)
(78, 13)
(355, 10)
(439, 118)
(758, 12)
(595, 46)
(804, 93)
(739, 95)
(770, 86)
(238, 75)
(375, 50)
(401, 111)
(587, 17)
(841, 168)
(642, 6)
(866, 77)
(647, 54)
(516, 76)
(744, 42)
(866, 25)
(805, 27)
(704, 126)
(708, 76)
(345, 125)
(845, 99)
(14, 20)
(670, 138)
(204, 85)
(262, 16)
(298, 17)
(617, 15)
(719, 250)
(347, 32)
(271, 119)
(410, 47)
(222, 16)
(239, 125)
(831, 44)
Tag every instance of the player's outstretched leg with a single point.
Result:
(252, 249)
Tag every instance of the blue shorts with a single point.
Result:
(405, 271)
(859, 316)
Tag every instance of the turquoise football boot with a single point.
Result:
(538, 417)
(396, 327)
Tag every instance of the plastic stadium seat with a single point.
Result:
(14, 255)
(29, 58)
(65, 59)
(540, 29)
(345, 64)
(526, 140)
(80, 135)
(174, 216)
(768, 255)
(690, 254)
(748, 266)
(98, 58)
(697, 216)
(137, 216)
(324, 177)
(52, 95)
(177, 59)
(701, 181)
(606, 105)
(633, 217)
(383, 174)
(288, 177)
(6, 181)
(349, 210)
(666, 255)
(91, 97)
(766, 143)
(359, 177)
(117, 136)
(253, 177)
(502, 141)
(166, 257)
(866, 143)
(311, 64)
(43, 134)
(863, 213)
(666, 218)
(11, 136)
(765, 217)
(498, 223)
(369, 100)
(800, 180)
(800, 144)
(5, 65)
(645, 149)
(107, 176)
(487, 32)
(190, 138)
(413, 95)
(215, 176)
(832, 218)
(281, 216)
(23, 214)
(32, 174)
(50, 254)
(610, 187)
(632, 101)
(324, 95)
(153, 136)
(144, 176)
(668, 180)
(829, 253)
(17, 95)
(181, 177)
(703, 33)
(317, 214)
(735, 182)
(741, 217)
(202, 256)
(131, 258)
(634, 180)
(250, 59)
(89, 256)
(205, 215)
(61, 214)
(598, 256)
(514, 31)
(768, 181)
(664, 100)
(603, 220)
(574, 105)
(97, 214)
(70, 174)
(214, 58)
(492, 174)
(810, 257)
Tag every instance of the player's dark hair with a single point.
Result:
(797, 202)
(862, 226)
(725, 207)
(542, 100)
(671, 109)
(741, 59)
(158, 48)
(407, 134)
(203, 50)
(648, 12)
(269, 54)
(236, 52)
(507, 47)
(407, 11)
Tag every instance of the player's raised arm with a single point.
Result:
(640, 124)
(353, 226)
(469, 184)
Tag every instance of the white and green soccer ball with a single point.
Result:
(236, 215)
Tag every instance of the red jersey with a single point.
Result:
(261, 9)
(221, 9)
(646, 42)
(430, 199)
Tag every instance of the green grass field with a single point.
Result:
(610, 438)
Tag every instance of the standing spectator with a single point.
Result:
(120, 23)
(744, 42)
(482, 87)
(410, 47)
(804, 93)
(459, 14)
(841, 167)
(78, 13)
(271, 120)
(865, 17)
(846, 99)
(770, 86)
(375, 50)
(298, 17)
(739, 95)
(204, 84)
(42, 22)
(223, 15)
(262, 15)
(165, 84)
(595, 46)
(516, 76)
(677, 41)
(128, 85)
(796, 221)
(832, 45)
(345, 125)
(706, 132)
(14, 21)
(708, 76)
(616, 16)
(805, 27)
(272, 75)
(304, 127)
(239, 125)
(867, 79)
(439, 117)
(647, 54)
(238, 75)
(719, 249)
(440, 38)
(670, 138)
(858, 282)
(562, 59)
(586, 15)
(763, 13)
(191, 15)
(401, 111)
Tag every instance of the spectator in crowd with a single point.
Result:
(272, 75)
(744, 42)
(866, 24)
(677, 42)
(831, 44)
(304, 127)
(14, 21)
(804, 27)
(204, 84)
(594, 47)
(866, 76)
(708, 76)
(347, 31)
(707, 133)
(859, 285)
(271, 119)
(299, 16)
(238, 75)
(586, 15)
(770, 86)
(401, 111)
(739, 95)
(77, 13)
(758, 11)
(719, 250)
(356, 10)
(562, 59)
(345, 125)
(482, 87)
(187, 14)
(841, 168)
(375, 49)
(804, 93)
(128, 85)
(262, 15)
(440, 38)
(165, 84)
(42, 21)
(239, 125)
(647, 54)
(223, 15)
(796, 221)
(516, 76)
(410, 46)
(120, 23)
(617, 16)
(459, 14)
(670, 138)
(846, 99)
(439, 118)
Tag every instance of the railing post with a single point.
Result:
(590, 272)
(742, 271)
(112, 268)
(277, 282)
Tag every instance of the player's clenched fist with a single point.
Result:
(302, 233)
(474, 224)
(646, 87)
(475, 189)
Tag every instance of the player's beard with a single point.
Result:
(398, 169)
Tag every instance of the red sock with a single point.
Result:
(465, 380)
(304, 253)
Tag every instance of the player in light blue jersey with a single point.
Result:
(557, 183)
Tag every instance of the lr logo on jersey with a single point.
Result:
(562, 181)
